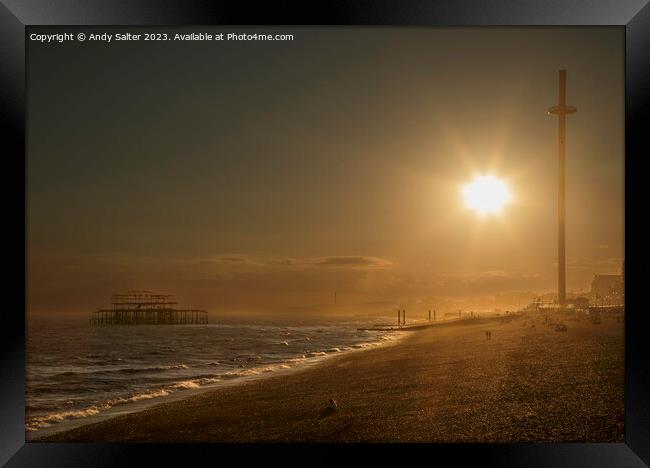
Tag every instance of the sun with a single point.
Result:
(486, 194)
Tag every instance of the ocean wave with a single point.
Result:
(46, 421)
(124, 370)
(135, 370)
(148, 395)
(388, 337)
(39, 422)
(251, 371)
(56, 388)
(197, 382)
(100, 359)
(186, 384)
(137, 397)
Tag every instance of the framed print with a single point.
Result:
(302, 233)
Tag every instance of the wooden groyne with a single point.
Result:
(417, 326)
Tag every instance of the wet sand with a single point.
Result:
(443, 384)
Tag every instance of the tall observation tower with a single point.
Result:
(561, 110)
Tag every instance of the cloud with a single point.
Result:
(408, 284)
(232, 259)
(350, 262)
(281, 262)
(488, 282)
(594, 264)
(474, 277)
(228, 259)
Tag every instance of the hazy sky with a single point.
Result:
(271, 174)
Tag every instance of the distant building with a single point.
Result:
(623, 279)
(607, 290)
(580, 302)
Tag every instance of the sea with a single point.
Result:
(77, 373)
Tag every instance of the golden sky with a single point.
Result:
(253, 175)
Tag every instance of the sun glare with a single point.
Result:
(486, 194)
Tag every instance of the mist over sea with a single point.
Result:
(77, 372)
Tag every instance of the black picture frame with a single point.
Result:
(633, 15)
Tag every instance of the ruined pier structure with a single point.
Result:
(147, 308)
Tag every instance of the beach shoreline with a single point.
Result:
(442, 384)
(102, 412)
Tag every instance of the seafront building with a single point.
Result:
(607, 290)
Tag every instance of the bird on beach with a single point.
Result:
(329, 409)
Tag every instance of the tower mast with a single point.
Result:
(561, 110)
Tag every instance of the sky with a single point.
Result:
(269, 175)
